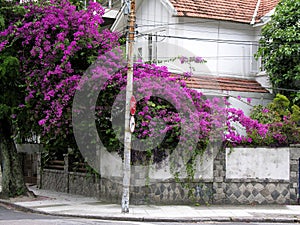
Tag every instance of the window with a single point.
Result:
(150, 43)
(152, 47)
(140, 54)
(257, 65)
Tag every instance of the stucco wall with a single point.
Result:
(261, 163)
(239, 176)
(111, 168)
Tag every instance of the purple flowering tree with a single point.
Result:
(54, 44)
(11, 95)
(43, 55)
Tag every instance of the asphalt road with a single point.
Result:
(12, 217)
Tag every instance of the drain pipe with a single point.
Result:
(255, 12)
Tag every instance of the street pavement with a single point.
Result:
(14, 217)
(63, 204)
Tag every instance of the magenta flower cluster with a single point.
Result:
(58, 43)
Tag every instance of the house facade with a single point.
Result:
(224, 32)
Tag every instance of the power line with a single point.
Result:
(210, 32)
(179, 23)
(226, 41)
(216, 76)
(173, 23)
(207, 58)
(157, 24)
(122, 28)
(206, 31)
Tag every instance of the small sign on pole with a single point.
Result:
(132, 105)
(132, 124)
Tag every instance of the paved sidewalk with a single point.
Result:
(62, 204)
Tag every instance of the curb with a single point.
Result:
(157, 219)
(20, 208)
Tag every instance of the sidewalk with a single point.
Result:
(62, 204)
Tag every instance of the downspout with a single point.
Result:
(255, 12)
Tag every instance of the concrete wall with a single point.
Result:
(55, 180)
(235, 176)
(258, 176)
(258, 163)
(155, 173)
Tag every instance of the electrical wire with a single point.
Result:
(215, 77)
(226, 41)
(179, 23)
(123, 28)
(161, 24)
(209, 32)
(245, 57)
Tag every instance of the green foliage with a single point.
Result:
(11, 90)
(81, 4)
(2, 22)
(9, 84)
(274, 112)
(10, 12)
(78, 4)
(4, 111)
(296, 113)
(280, 49)
(283, 120)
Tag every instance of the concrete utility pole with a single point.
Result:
(129, 88)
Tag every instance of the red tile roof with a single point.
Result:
(225, 84)
(229, 10)
(266, 6)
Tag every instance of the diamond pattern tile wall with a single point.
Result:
(260, 193)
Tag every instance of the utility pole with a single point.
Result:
(129, 88)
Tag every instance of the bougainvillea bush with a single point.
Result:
(165, 105)
(273, 125)
(56, 43)
(282, 120)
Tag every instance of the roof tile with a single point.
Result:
(225, 84)
(229, 10)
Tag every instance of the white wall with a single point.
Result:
(262, 163)
(256, 99)
(241, 163)
(228, 47)
(152, 17)
(111, 167)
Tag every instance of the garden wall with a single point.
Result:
(234, 176)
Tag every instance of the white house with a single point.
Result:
(224, 32)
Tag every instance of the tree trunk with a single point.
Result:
(13, 183)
